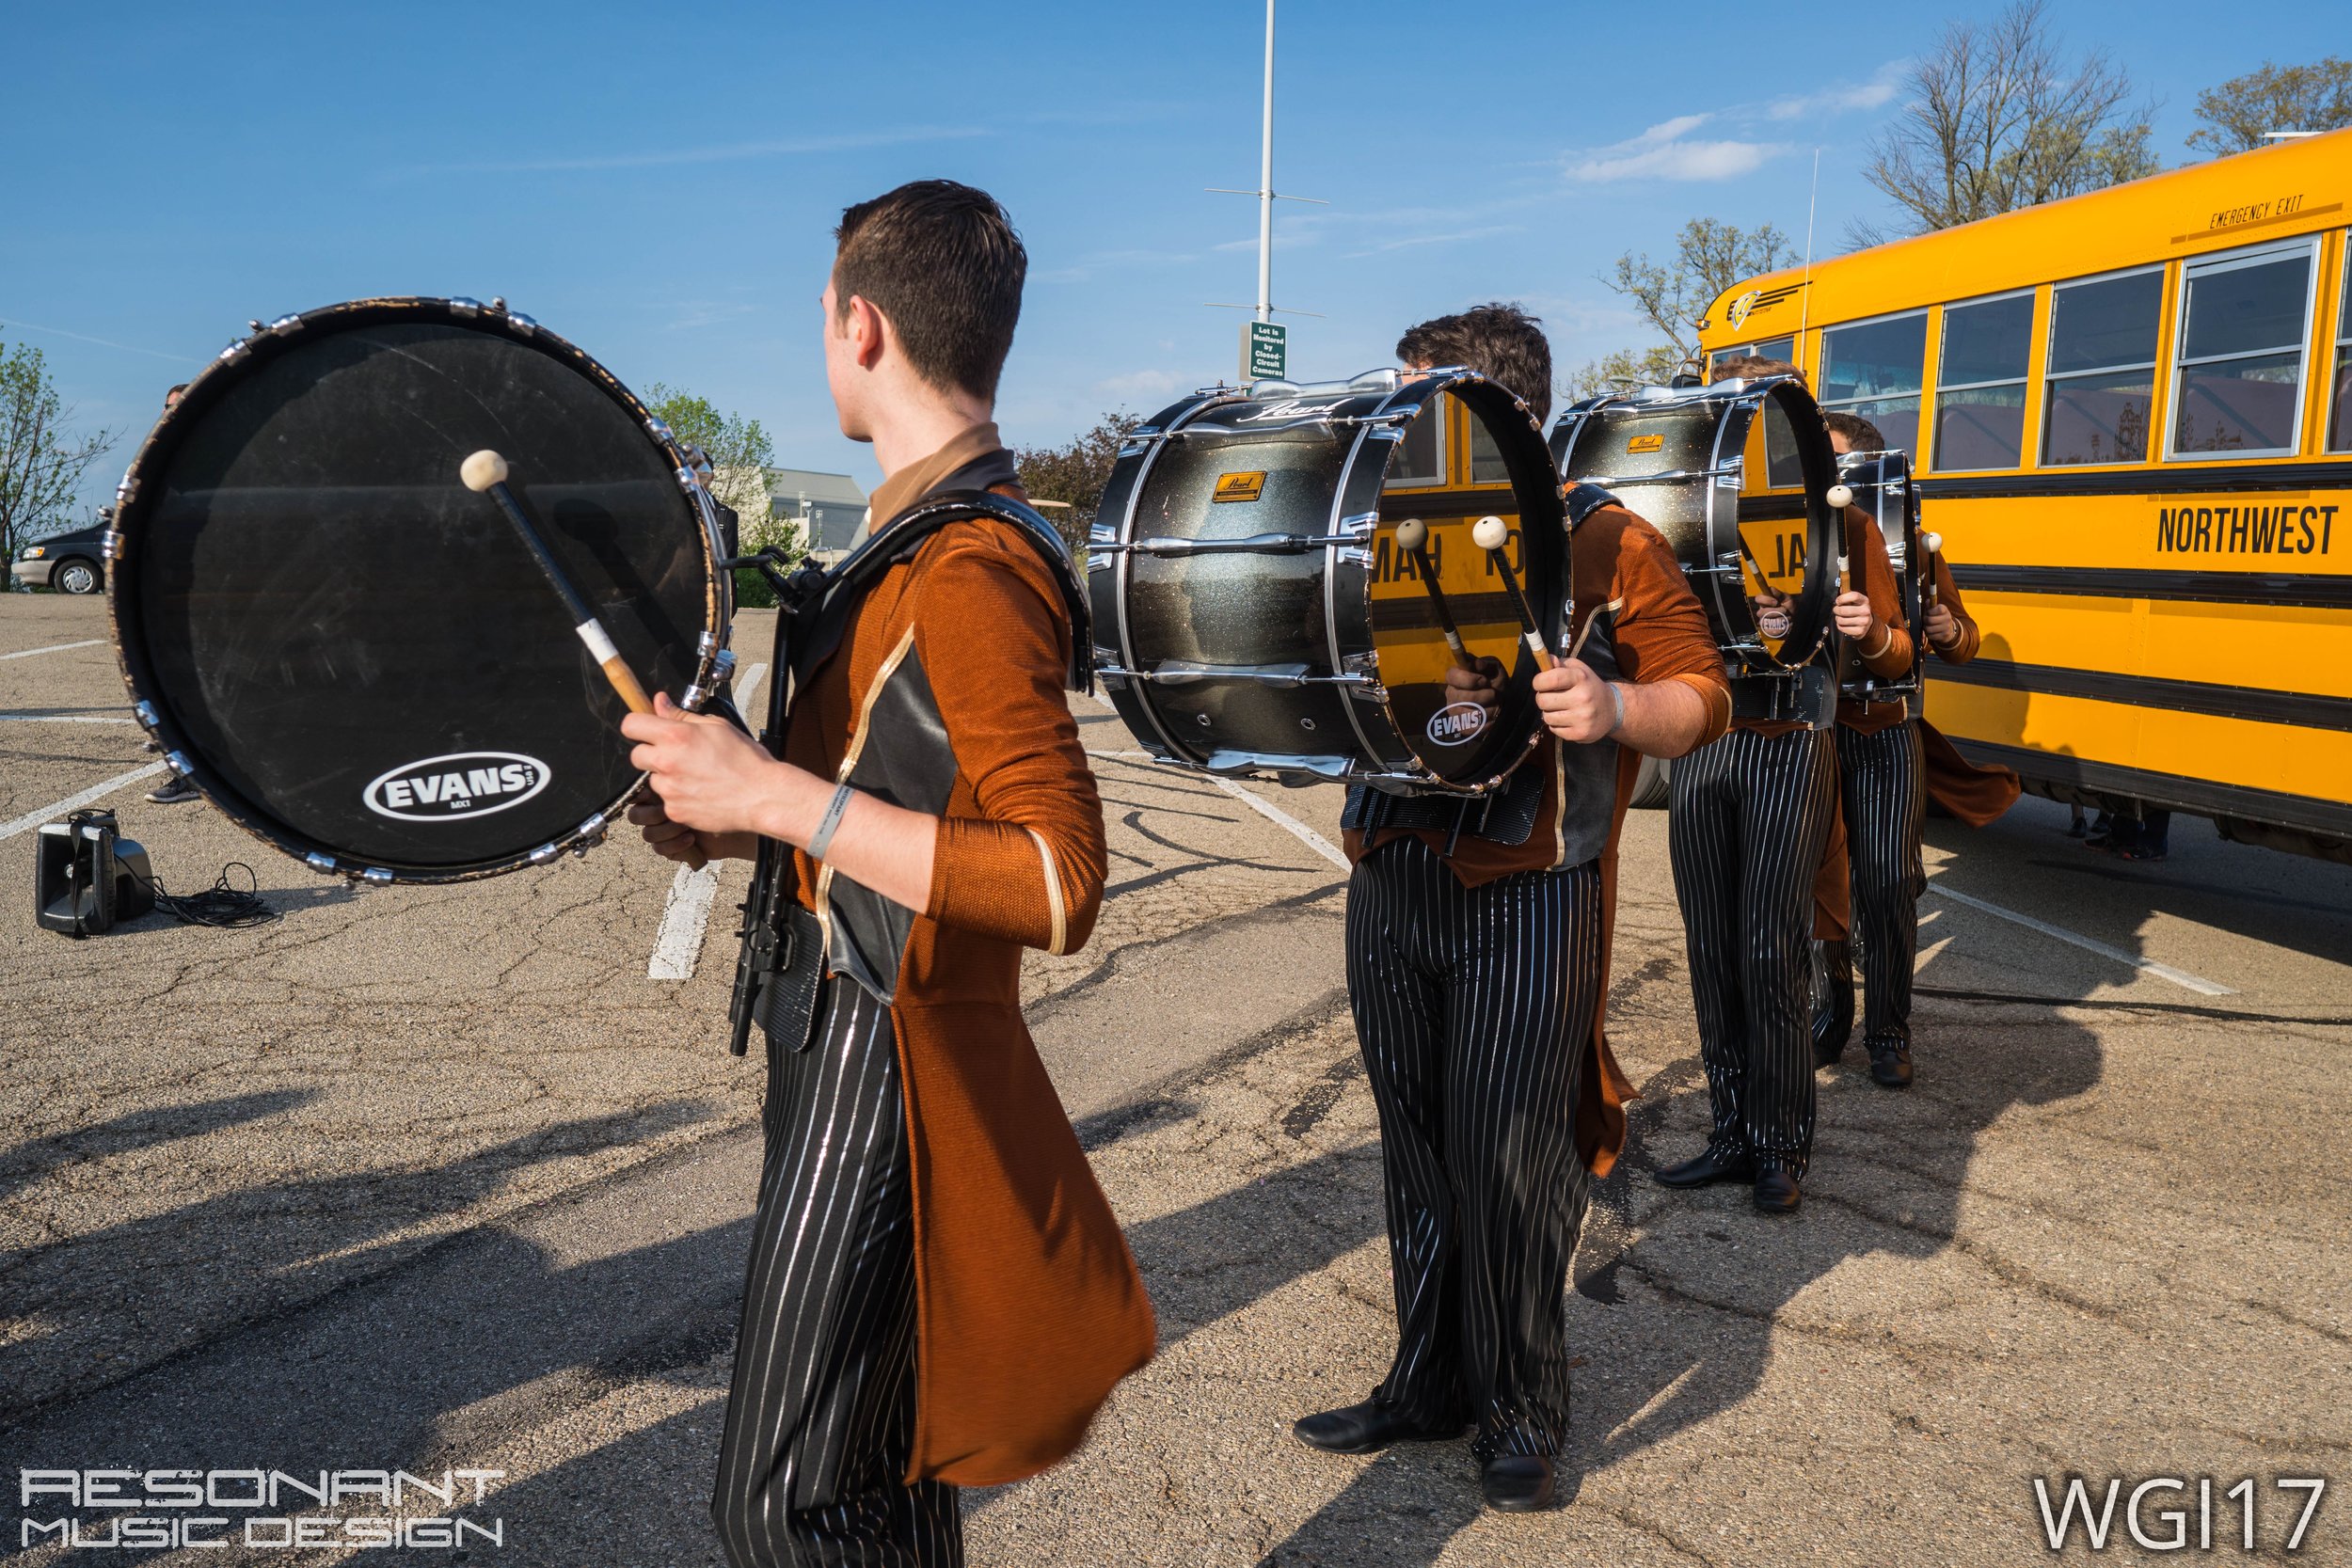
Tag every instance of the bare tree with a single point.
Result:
(42, 464)
(2275, 98)
(1997, 120)
(1709, 256)
(1619, 371)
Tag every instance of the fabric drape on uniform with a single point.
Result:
(1746, 822)
(1473, 1005)
(820, 1418)
(1883, 797)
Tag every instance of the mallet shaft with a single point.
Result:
(585, 622)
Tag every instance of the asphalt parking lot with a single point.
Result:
(428, 1178)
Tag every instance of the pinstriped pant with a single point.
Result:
(1884, 783)
(1473, 1006)
(821, 1420)
(1748, 820)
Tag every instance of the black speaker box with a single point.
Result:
(86, 876)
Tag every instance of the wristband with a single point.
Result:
(1618, 693)
(821, 840)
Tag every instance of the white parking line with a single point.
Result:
(2180, 977)
(66, 719)
(74, 803)
(678, 945)
(54, 648)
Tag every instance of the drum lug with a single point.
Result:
(144, 712)
(1386, 433)
(1355, 555)
(177, 762)
(461, 305)
(237, 349)
(377, 876)
(589, 834)
(545, 853)
(286, 324)
(110, 544)
(686, 480)
(320, 863)
(523, 326)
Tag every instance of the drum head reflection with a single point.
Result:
(357, 652)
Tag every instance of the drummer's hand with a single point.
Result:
(1577, 705)
(1482, 686)
(1942, 631)
(712, 777)
(674, 840)
(1764, 598)
(1854, 616)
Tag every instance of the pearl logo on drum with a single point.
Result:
(457, 786)
(1457, 724)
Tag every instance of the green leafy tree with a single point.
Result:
(42, 460)
(740, 454)
(2275, 98)
(1075, 473)
(1998, 119)
(1672, 297)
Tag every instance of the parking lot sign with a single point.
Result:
(1264, 350)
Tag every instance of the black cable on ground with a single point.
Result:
(222, 906)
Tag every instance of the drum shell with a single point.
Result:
(1679, 460)
(1886, 491)
(1313, 469)
(312, 613)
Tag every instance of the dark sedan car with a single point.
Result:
(69, 562)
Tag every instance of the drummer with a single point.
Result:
(1883, 783)
(1477, 962)
(1749, 818)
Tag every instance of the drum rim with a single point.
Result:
(265, 342)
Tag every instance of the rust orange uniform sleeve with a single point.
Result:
(1888, 653)
(994, 641)
(1947, 594)
(1661, 630)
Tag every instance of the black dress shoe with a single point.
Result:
(1775, 1191)
(1705, 1167)
(1890, 1065)
(1366, 1428)
(1833, 1000)
(1517, 1482)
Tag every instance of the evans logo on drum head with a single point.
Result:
(1457, 724)
(462, 785)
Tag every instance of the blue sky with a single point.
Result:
(660, 183)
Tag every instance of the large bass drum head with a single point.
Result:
(357, 655)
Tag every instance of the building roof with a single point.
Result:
(791, 485)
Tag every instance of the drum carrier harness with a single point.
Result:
(781, 960)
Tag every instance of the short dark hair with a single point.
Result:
(1751, 367)
(943, 263)
(1860, 433)
(175, 391)
(1502, 342)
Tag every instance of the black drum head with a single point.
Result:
(356, 654)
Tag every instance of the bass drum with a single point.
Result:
(353, 655)
(1256, 614)
(1737, 477)
(1883, 489)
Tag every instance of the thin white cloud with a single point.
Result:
(1453, 236)
(1667, 150)
(1155, 384)
(1875, 92)
(730, 153)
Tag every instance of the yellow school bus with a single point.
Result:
(2132, 414)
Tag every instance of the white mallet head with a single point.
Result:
(483, 469)
(1934, 542)
(1840, 497)
(1411, 534)
(1490, 533)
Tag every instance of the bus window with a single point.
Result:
(1486, 464)
(1783, 349)
(1980, 384)
(1421, 457)
(2102, 369)
(1873, 368)
(2340, 423)
(2244, 320)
